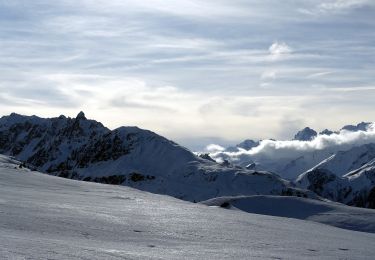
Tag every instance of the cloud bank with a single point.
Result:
(274, 150)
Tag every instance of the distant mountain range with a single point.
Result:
(329, 164)
(337, 165)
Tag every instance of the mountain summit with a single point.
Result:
(306, 134)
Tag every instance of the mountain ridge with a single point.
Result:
(78, 148)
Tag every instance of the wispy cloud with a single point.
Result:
(339, 5)
(335, 6)
(217, 69)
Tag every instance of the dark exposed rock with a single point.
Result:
(113, 179)
(135, 177)
(371, 199)
(326, 132)
(306, 134)
(318, 179)
(359, 127)
(206, 156)
(248, 144)
(59, 146)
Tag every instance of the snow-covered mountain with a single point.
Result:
(343, 162)
(290, 158)
(45, 217)
(247, 144)
(347, 177)
(335, 165)
(285, 164)
(83, 149)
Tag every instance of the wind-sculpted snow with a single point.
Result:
(325, 212)
(292, 157)
(83, 149)
(45, 217)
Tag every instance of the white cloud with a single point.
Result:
(352, 89)
(339, 5)
(213, 148)
(268, 75)
(319, 74)
(116, 59)
(274, 150)
(335, 6)
(278, 50)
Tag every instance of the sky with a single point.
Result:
(195, 71)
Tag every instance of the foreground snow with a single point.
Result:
(45, 217)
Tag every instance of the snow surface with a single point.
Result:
(46, 217)
(326, 212)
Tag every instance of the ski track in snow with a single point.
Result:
(46, 217)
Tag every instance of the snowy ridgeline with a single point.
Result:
(290, 158)
(45, 217)
(83, 149)
(334, 165)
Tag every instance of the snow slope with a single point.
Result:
(343, 162)
(347, 177)
(45, 217)
(325, 212)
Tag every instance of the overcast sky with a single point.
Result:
(196, 71)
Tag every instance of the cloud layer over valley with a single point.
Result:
(283, 152)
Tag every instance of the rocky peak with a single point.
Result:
(326, 132)
(81, 116)
(248, 144)
(306, 134)
(363, 126)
